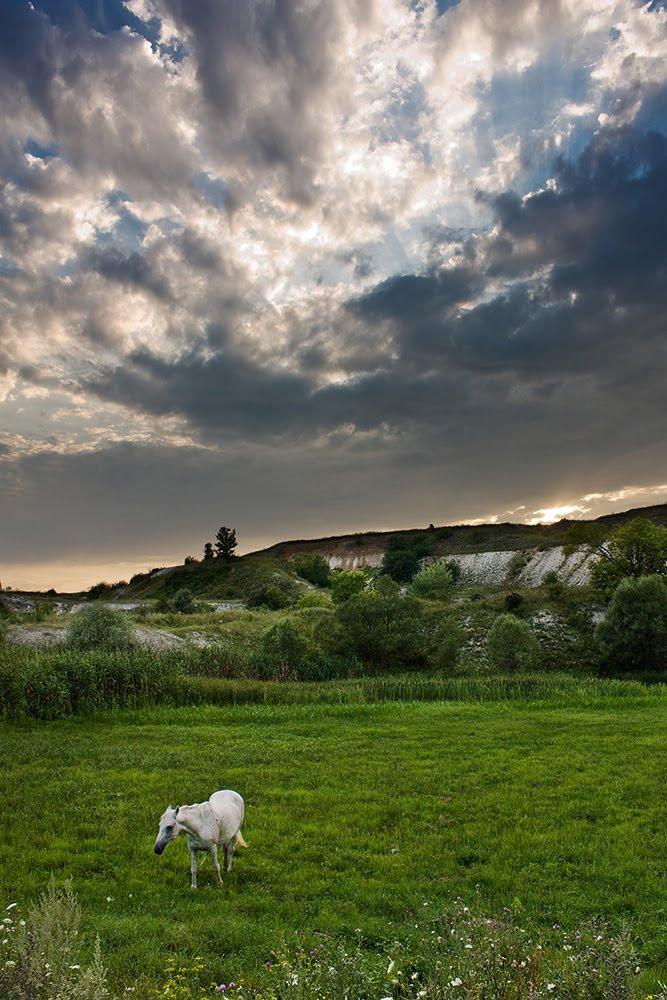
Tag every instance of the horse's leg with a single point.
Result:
(214, 855)
(229, 853)
(193, 868)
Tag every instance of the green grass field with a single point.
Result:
(357, 816)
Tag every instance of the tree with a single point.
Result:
(633, 633)
(638, 548)
(225, 542)
(346, 583)
(433, 582)
(288, 646)
(402, 556)
(208, 552)
(511, 644)
(382, 628)
(312, 566)
(183, 601)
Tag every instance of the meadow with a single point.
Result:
(361, 818)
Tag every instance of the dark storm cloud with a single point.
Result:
(590, 306)
(587, 262)
(225, 391)
(135, 269)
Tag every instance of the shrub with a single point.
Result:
(517, 564)
(313, 599)
(313, 567)
(287, 647)
(434, 582)
(446, 643)
(44, 957)
(510, 644)
(454, 568)
(183, 602)
(633, 634)
(554, 586)
(383, 628)
(290, 652)
(513, 601)
(402, 556)
(99, 626)
(269, 596)
(346, 583)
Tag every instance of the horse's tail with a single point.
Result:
(240, 841)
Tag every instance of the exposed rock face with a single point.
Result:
(526, 567)
(573, 570)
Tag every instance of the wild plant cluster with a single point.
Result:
(452, 955)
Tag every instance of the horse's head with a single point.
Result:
(168, 830)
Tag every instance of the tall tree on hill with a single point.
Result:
(225, 542)
(208, 551)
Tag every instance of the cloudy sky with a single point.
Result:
(311, 266)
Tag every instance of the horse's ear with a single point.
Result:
(176, 810)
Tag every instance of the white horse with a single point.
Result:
(207, 825)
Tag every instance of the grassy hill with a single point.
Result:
(238, 579)
(216, 579)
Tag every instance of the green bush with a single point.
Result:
(183, 601)
(290, 652)
(513, 601)
(314, 599)
(313, 567)
(446, 642)
(510, 644)
(454, 568)
(434, 582)
(287, 647)
(346, 583)
(633, 634)
(555, 588)
(269, 596)
(98, 626)
(382, 628)
(402, 556)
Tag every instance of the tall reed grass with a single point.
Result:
(53, 683)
